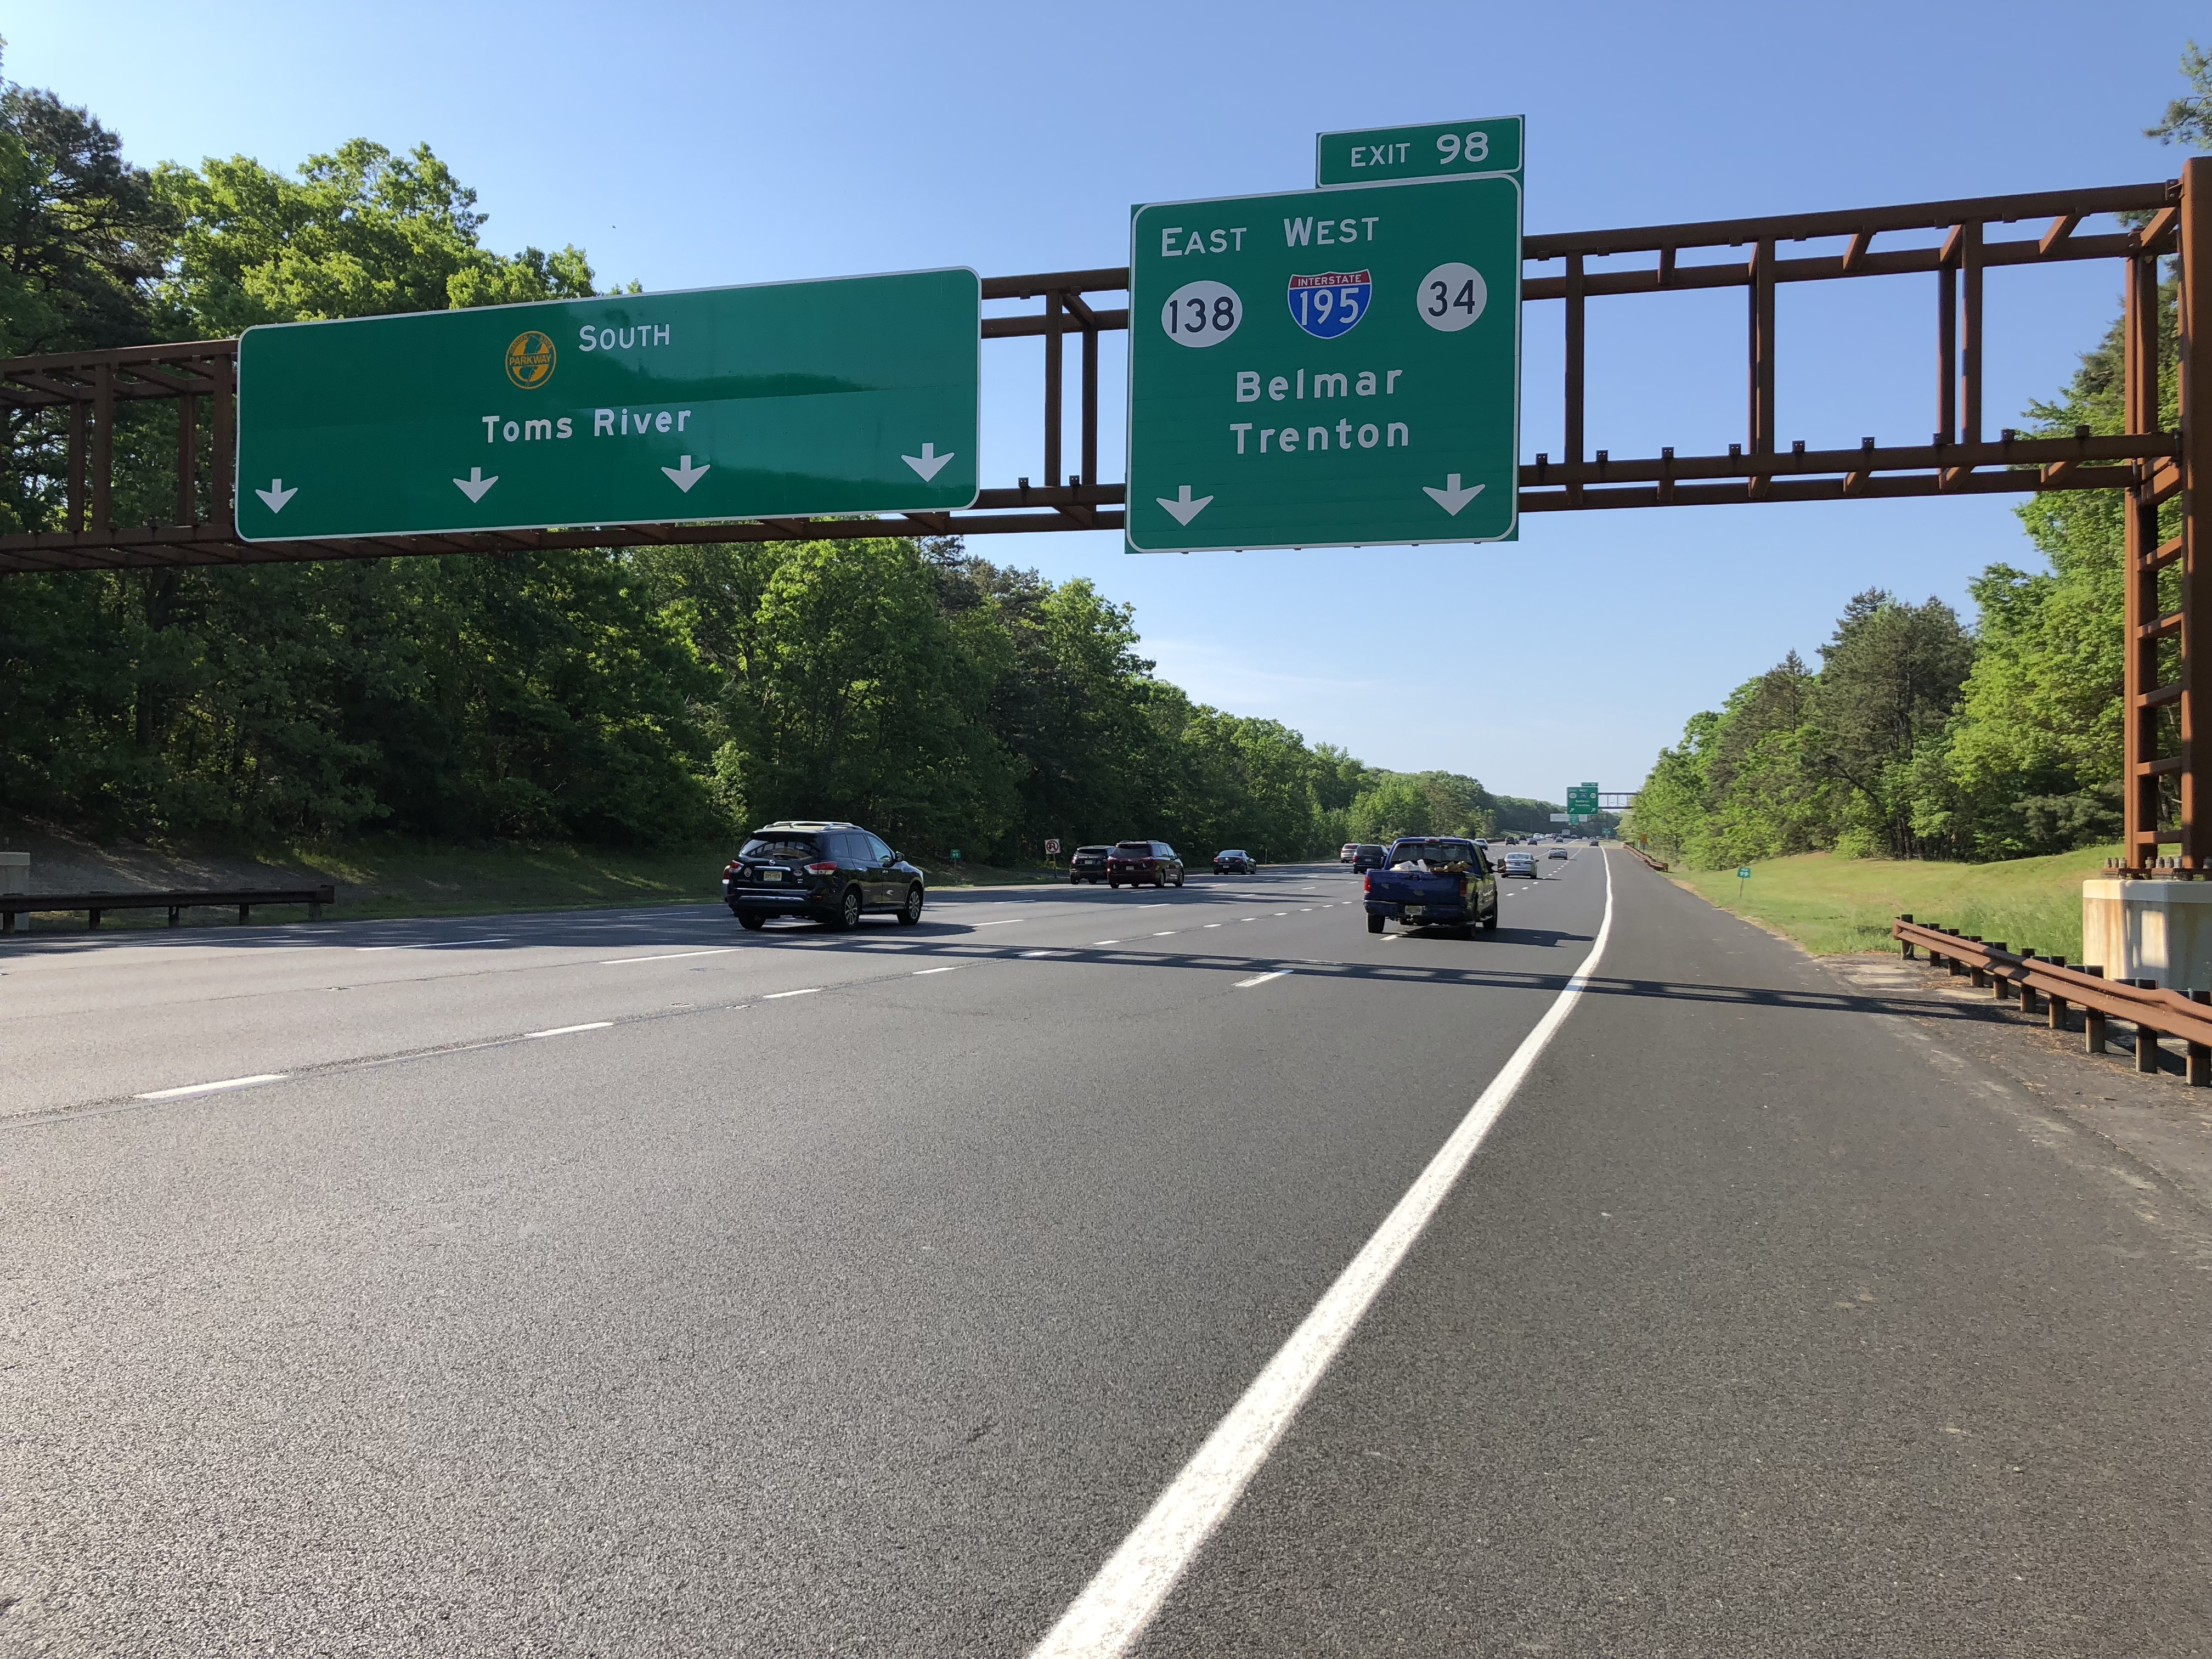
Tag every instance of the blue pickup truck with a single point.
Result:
(1438, 881)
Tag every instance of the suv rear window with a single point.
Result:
(780, 848)
(1086, 851)
(1142, 849)
(1434, 853)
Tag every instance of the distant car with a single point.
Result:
(1236, 860)
(1518, 863)
(824, 869)
(1368, 855)
(1089, 864)
(1344, 853)
(1141, 861)
(1558, 853)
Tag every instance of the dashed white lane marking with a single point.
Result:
(1261, 979)
(773, 996)
(1213, 924)
(209, 1088)
(563, 1030)
(1008, 922)
(1044, 953)
(1389, 938)
(1170, 934)
(1282, 913)
(1096, 943)
(947, 969)
(1248, 918)
(672, 956)
(1117, 1604)
(436, 944)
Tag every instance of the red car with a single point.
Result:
(1141, 861)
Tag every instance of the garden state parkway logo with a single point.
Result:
(530, 359)
(1329, 304)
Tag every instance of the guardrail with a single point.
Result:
(1656, 864)
(2042, 982)
(24, 904)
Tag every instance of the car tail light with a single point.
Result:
(826, 869)
(728, 870)
(1367, 882)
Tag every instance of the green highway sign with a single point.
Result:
(1443, 150)
(855, 395)
(1326, 368)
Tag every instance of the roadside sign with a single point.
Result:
(1326, 368)
(1743, 873)
(1442, 150)
(1582, 800)
(859, 394)
(1052, 849)
(1558, 818)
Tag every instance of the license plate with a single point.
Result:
(771, 875)
(1417, 910)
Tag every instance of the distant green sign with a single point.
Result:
(1582, 800)
(1326, 368)
(1447, 150)
(1743, 873)
(856, 395)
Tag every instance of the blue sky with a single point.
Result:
(690, 145)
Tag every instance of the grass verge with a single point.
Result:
(1830, 905)
(388, 876)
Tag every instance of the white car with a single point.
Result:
(1518, 863)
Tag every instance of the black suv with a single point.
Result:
(829, 871)
(1141, 861)
(1089, 864)
(1366, 856)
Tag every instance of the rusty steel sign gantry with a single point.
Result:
(69, 414)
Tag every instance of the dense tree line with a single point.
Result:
(1921, 735)
(616, 697)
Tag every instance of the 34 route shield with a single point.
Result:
(859, 394)
(1326, 368)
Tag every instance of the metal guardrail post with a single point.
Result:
(2058, 1003)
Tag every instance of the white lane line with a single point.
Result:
(1248, 918)
(1261, 979)
(776, 995)
(948, 969)
(1044, 953)
(1117, 1604)
(672, 956)
(1282, 913)
(209, 1088)
(1008, 922)
(1389, 938)
(563, 1030)
(1213, 924)
(1170, 934)
(1096, 943)
(436, 944)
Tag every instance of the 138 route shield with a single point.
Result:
(859, 394)
(1326, 368)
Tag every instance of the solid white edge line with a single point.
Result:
(436, 944)
(1127, 1592)
(773, 995)
(209, 1088)
(1261, 979)
(672, 956)
(563, 1030)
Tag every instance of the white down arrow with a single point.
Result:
(927, 463)
(276, 495)
(1451, 497)
(684, 475)
(1183, 509)
(476, 483)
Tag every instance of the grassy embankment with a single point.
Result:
(388, 876)
(1830, 904)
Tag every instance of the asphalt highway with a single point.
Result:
(621, 1282)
